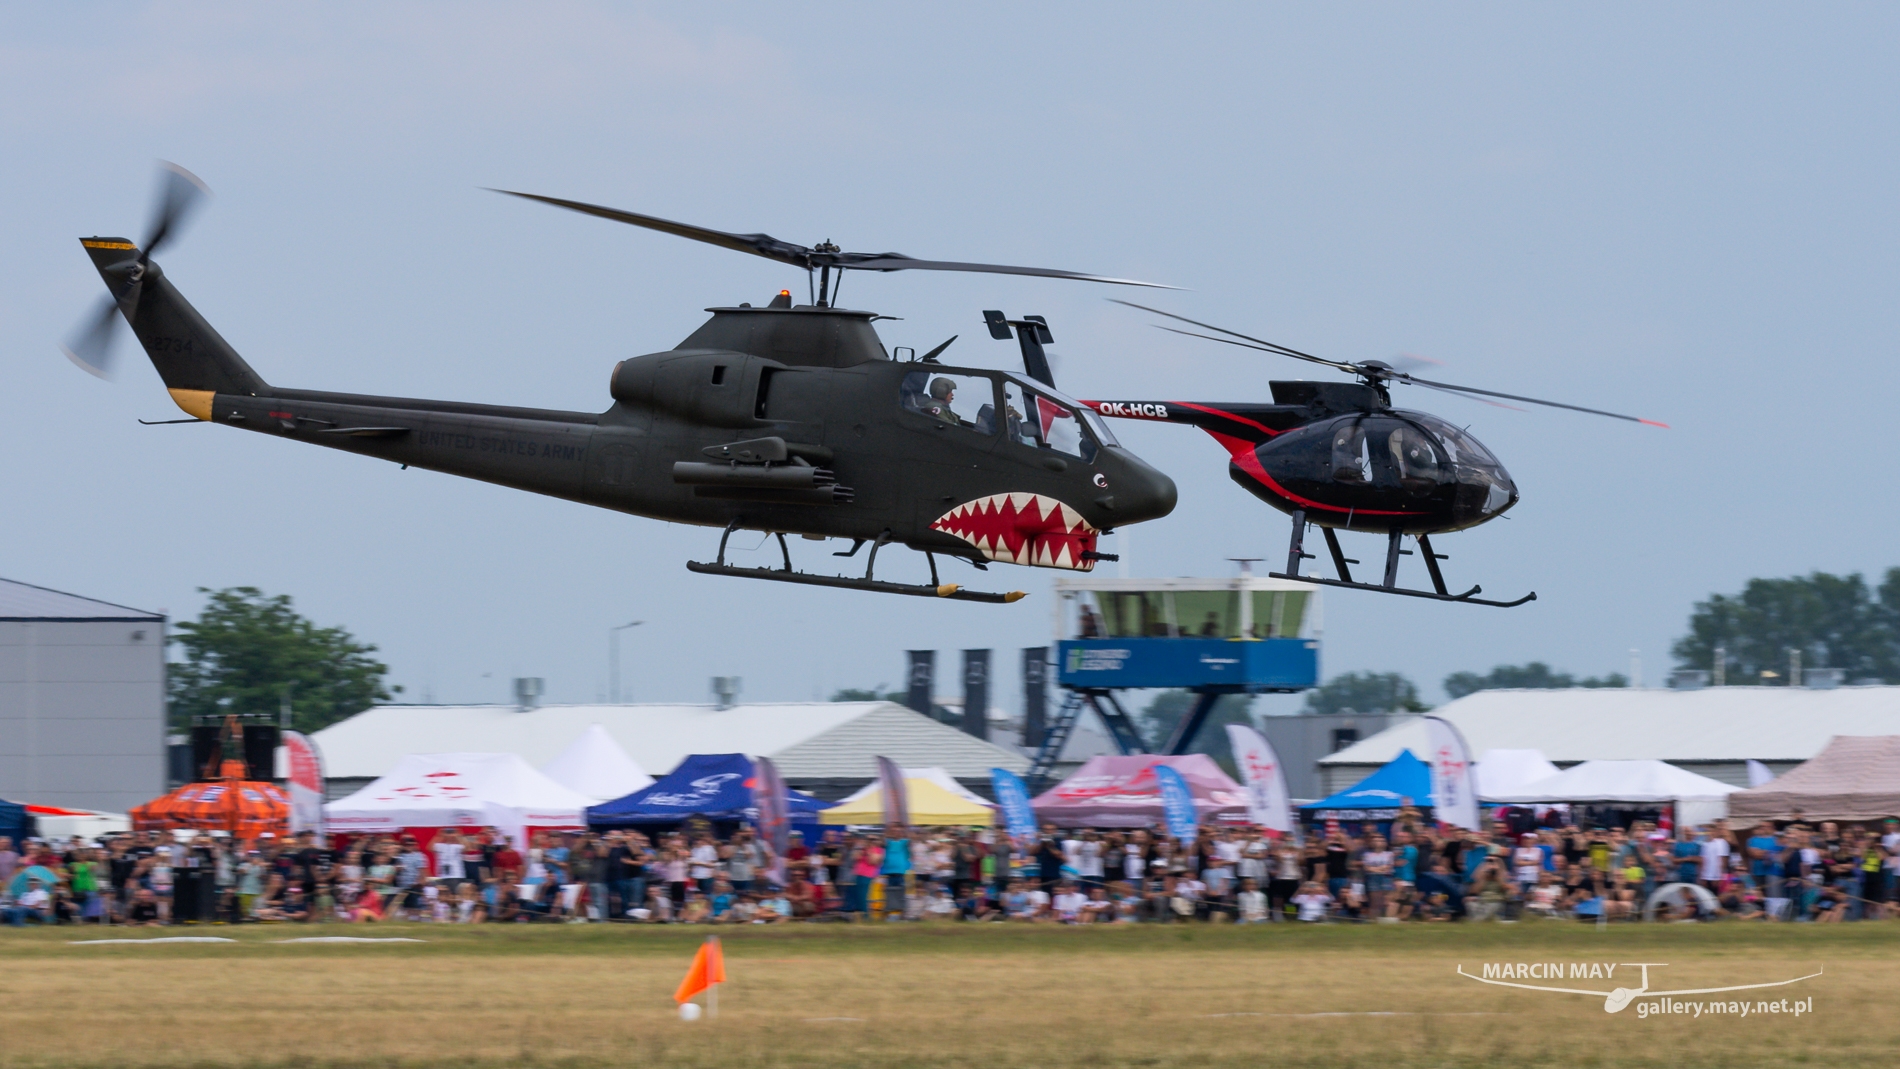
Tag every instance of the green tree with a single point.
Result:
(1835, 621)
(1366, 692)
(1164, 714)
(1533, 676)
(247, 648)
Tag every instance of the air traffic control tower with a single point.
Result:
(1243, 635)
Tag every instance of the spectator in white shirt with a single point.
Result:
(1253, 859)
(1038, 904)
(449, 868)
(1134, 863)
(34, 904)
(1714, 859)
(1252, 902)
(1314, 903)
(1086, 859)
(1069, 904)
(705, 867)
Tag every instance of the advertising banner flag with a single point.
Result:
(1035, 694)
(890, 781)
(1454, 789)
(1177, 804)
(923, 674)
(1267, 801)
(976, 693)
(775, 818)
(303, 771)
(1012, 794)
(1758, 774)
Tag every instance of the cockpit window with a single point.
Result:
(1038, 418)
(1352, 457)
(960, 399)
(1459, 447)
(1412, 453)
(1099, 426)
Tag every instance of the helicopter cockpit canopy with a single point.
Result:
(1034, 415)
(1039, 416)
(1391, 459)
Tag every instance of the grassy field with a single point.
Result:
(993, 996)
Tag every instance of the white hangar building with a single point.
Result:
(82, 700)
(1713, 731)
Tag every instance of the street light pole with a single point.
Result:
(613, 659)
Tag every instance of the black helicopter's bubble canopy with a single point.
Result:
(802, 336)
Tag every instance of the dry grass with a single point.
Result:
(930, 996)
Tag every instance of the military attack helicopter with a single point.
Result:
(1338, 455)
(785, 419)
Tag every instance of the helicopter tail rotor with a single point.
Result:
(179, 193)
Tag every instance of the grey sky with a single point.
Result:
(1684, 211)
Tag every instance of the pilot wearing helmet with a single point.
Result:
(942, 392)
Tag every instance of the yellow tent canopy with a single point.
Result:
(930, 806)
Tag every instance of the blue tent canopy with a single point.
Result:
(1380, 795)
(15, 822)
(715, 786)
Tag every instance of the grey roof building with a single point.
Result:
(1711, 731)
(82, 700)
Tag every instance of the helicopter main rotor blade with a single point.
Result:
(1272, 347)
(765, 245)
(1402, 377)
(1334, 364)
(895, 261)
(1372, 370)
(808, 258)
(1469, 397)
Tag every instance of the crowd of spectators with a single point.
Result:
(1404, 870)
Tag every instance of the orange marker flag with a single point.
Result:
(709, 968)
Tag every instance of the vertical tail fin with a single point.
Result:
(189, 355)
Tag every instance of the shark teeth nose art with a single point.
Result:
(1023, 528)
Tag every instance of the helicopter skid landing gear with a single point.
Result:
(1296, 553)
(948, 591)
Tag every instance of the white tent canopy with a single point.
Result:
(470, 790)
(806, 740)
(1504, 771)
(595, 765)
(1698, 798)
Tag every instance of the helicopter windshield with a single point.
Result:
(1089, 416)
(1035, 416)
(1459, 447)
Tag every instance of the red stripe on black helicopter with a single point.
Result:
(1268, 431)
(1242, 453)
(1166, 411)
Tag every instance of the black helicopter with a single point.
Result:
(1339, 456)
(787, 419)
